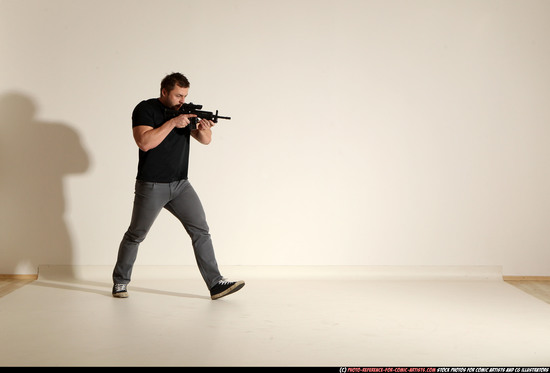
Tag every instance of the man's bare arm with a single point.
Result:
(203, 133)
(148, 138)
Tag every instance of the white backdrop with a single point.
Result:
(368, 132)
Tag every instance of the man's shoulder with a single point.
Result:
(148, 112)
(152, 103)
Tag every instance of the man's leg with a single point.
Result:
(149, 200)
(187, 207)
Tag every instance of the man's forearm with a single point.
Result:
(204, 136)
(148, 138)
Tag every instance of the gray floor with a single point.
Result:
(284, 316)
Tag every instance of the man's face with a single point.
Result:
(175, 98)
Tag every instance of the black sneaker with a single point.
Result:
(224, 287)
(119, 291)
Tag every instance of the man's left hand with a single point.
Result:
(205, 124)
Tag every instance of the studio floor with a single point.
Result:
(284, 316)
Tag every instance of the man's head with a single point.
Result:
(173, 90)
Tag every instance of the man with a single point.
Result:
(162, 182)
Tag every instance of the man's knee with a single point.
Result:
(135, 236)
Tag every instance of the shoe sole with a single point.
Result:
(123, 294)
(238, 286)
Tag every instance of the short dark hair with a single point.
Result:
(170, 81)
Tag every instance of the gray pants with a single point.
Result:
(182, 201)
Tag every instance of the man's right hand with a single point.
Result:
(182, 121)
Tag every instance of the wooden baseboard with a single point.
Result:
(505, 278)
(19, 277)
(526, 278)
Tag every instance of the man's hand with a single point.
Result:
(182, 121)
(205, 125)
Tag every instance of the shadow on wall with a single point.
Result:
(34, 158)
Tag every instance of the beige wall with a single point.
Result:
(363, 132)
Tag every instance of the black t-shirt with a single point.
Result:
(170, 159)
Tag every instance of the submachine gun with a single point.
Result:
(192, 108)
